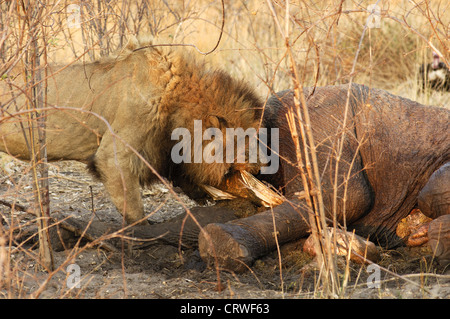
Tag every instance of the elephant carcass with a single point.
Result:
(392, 146)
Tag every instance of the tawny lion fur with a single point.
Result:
(144, 95)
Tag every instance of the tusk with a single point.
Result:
(263, 192)
(216, 193)
(242, 184)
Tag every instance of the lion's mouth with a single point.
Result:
(242, 184)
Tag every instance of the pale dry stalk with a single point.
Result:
(309, 168)
(4, 261)
(33, 13)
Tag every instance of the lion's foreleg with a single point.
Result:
(112, 163)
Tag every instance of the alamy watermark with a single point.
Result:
(74, 277)
(74, 18)
(373, 281)
(374, 19)
(190, 149)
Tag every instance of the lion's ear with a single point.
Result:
(132, 44)
(216, 121)
(212, 121)
(145, 39)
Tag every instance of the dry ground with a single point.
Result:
(163, 271)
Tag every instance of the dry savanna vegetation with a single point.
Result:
(273, 45)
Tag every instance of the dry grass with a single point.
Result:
(324, 38)
(324, 35)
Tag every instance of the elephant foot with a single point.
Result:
(218, 243)
(413, 229)
(419, 236)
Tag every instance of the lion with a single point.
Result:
(117, 115)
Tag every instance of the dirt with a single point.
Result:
(164, 271)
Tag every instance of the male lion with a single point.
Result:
(143, 94)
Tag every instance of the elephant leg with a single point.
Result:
(238, 243)
(434, 198)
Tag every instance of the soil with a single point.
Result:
(165, 271)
